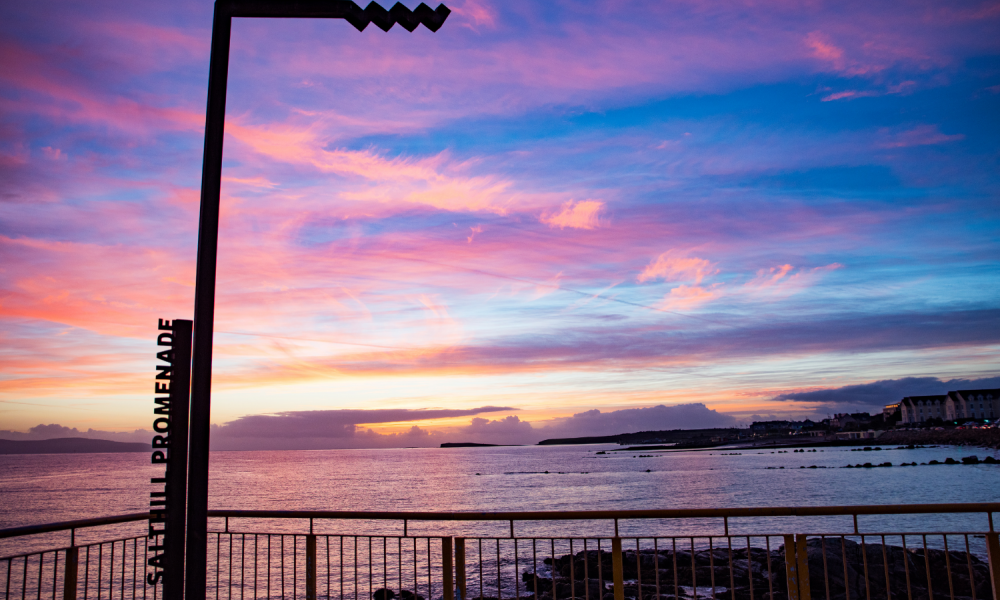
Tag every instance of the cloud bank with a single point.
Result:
(53, 431)
(873, 396)
(326, 429)
(339, 429)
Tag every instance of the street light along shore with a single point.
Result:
(208, 236)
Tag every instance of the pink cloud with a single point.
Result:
(673, 265)
(849, 94)
(53, 153)
(474, 231)
(66, 96)
(256, 182)
(684, 297)
(393, 183)
(783, 281)
(65, 282)
(971, 11)
(409, 180)
(577, 215)
(149, 46)
(475, 14)
(823, 49)
(770, 277)
(922, 135)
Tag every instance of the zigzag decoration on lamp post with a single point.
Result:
(407, 19)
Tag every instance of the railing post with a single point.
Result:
(460, 567)
(446, 568)
(797, 567)
(993, 555)
(791, 568)
(310, 567)
(69, 575)
(616, 568)
(802, 554)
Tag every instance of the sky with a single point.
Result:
(546, 219)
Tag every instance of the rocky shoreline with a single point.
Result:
(757, 574)
(760, 575)
(981, 438)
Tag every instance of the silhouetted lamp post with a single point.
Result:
(208, 229)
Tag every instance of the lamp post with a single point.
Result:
(208, 233)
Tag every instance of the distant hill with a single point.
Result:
(68, 446)
(466, 445)
(672, 436)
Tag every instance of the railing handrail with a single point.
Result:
(69, 525)
(578, 515)
(584, 515)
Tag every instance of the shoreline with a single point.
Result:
(979, 438)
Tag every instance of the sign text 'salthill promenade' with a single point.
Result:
(169, 448)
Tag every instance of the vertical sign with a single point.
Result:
(170, 422)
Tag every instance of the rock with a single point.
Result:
(408, 595)
(582, 574)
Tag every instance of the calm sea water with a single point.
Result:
(48, 488)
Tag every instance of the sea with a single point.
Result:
(47, 488)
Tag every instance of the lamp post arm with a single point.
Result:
(204, 307)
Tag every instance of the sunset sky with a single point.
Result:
(735, 210)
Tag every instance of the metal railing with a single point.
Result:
(297, 554)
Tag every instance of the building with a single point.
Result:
(851, 421)
(889, 411)
(917, 409)
(859, 435)
(841, 420)
(769, 427)
(973, 404)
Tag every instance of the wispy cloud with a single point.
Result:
(674, 265)
(476, 14)
(684, 297)
(784, 280)
(921, 135)
(577, 215)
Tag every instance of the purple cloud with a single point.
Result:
(874, 395)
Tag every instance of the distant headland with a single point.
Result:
(672, 436)
(68, 446)
(470, 445)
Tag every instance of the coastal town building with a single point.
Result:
(850, 420)
(973, 404)
(766, 427)
(858, 435)
(762, 428)
(917, 409)
(842, 420)
(953, 406)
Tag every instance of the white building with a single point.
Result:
(917, 409)
(973, 404)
